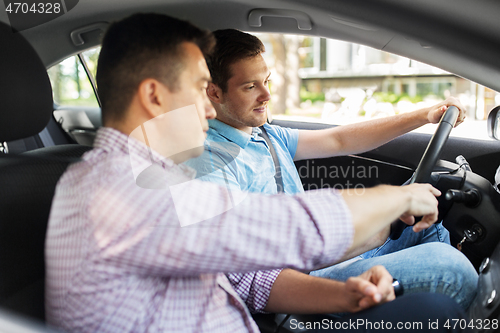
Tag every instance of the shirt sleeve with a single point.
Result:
(254, 288)
(289, 136)
(192, 227)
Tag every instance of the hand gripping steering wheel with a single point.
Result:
(429, 159)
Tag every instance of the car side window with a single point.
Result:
(331, 81)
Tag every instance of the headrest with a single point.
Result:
(26, 101)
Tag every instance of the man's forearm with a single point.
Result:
(358, 137)
(296, 292)
(372, 243)
(365, 136)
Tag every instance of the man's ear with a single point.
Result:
(152, 97)
(214, 93)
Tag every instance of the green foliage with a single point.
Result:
(414, 99)
(90, 102)
(390, 97)
(313, 97)
(70, 84)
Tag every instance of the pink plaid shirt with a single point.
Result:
(118, 259)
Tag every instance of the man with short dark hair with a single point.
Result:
(238, 156)
(134, 244)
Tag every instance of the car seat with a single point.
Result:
(27, 180)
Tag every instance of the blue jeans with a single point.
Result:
(413, 313)
(422, 262)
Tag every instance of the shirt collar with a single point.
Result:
(110, 140)
(234, 135)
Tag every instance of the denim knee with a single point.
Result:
(454, 274)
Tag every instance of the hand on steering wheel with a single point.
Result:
(429, 159)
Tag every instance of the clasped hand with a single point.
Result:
(371, 288)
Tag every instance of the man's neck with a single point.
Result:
(245, 129)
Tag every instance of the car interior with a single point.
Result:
(40, 138)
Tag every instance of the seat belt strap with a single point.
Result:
(277, 175)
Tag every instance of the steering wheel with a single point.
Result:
(429, 159)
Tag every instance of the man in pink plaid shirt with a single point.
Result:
(134, 244)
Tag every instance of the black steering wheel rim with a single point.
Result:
(434, 148)
(429, 159)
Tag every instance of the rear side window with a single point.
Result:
(70, 83)
(77, 107)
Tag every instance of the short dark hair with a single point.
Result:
(139, 47)
(232, 46)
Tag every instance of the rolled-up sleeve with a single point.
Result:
(254, 288)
